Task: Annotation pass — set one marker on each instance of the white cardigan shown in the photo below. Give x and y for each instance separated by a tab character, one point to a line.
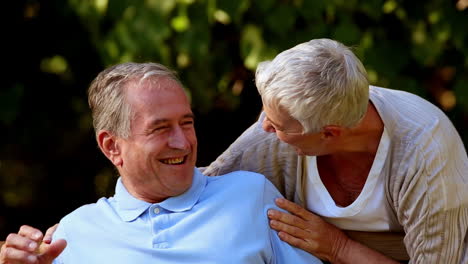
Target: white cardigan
426	183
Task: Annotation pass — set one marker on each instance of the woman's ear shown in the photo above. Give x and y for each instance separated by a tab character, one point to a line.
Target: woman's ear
331	132
109	145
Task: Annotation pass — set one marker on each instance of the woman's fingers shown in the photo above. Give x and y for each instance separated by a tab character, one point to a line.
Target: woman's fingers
290	229
305	230
294	209
287	218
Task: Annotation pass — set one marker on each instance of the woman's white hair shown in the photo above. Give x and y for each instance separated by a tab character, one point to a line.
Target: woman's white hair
319	83
106	94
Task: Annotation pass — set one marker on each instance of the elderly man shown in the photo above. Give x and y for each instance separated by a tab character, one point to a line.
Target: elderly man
361	157
164	210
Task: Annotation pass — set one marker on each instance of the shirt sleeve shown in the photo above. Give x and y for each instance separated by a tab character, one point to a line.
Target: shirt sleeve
282	251
60	234
432	199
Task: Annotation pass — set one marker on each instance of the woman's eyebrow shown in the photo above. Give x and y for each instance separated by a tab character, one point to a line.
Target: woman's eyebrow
276	125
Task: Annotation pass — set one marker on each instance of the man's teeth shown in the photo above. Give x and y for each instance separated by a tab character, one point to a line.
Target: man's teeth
173	161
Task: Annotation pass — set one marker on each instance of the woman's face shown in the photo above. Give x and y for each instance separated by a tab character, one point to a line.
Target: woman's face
290	131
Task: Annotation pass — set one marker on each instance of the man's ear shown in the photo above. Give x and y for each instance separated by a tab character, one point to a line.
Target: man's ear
331	132
109	145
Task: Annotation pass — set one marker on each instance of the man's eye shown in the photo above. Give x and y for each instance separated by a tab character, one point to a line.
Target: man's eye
188	123
159	129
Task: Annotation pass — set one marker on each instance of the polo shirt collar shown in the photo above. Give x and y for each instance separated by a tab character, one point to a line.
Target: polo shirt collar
188	199
129	207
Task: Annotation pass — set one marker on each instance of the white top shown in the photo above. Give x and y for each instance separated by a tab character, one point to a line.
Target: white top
368	212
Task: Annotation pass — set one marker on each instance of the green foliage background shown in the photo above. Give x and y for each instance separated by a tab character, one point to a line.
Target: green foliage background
49	163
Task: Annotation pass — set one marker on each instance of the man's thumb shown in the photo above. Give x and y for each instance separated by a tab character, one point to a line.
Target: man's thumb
53	250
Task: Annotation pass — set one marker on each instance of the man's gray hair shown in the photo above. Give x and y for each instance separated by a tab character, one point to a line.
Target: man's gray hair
319	83
106	94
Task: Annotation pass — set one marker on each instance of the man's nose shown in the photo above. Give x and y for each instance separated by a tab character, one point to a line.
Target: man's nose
266	125
178	139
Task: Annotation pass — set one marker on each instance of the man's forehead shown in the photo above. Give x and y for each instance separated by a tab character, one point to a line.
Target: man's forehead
157	120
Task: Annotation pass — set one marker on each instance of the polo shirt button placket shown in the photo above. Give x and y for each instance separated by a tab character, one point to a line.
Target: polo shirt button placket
155	211
158	240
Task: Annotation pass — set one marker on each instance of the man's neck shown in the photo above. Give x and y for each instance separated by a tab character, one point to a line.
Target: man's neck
148	195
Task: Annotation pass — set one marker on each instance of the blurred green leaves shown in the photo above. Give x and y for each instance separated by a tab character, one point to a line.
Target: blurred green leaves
392	37
10	103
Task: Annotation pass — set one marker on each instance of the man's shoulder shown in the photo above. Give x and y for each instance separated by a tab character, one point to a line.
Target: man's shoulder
104	206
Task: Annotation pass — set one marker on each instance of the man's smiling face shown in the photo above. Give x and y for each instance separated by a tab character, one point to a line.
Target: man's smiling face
158	159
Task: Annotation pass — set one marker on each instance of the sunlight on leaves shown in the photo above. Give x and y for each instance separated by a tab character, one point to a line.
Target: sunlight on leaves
222	17
366	41
187	2
251	45
235	9
434	17
56	65
373	76
165	6
180	23
419	33
125	57
111	48
129	13
443	35
101	5
389	6
401	13
183	60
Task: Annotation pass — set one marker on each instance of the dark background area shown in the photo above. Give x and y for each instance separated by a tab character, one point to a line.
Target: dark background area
49	161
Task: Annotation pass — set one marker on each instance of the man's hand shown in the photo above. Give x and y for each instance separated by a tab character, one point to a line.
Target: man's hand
49	233
307	231
26	247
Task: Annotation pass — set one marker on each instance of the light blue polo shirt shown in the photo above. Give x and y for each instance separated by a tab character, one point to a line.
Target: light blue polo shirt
218	220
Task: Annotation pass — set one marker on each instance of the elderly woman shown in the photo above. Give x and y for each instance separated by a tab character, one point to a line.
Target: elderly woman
360	157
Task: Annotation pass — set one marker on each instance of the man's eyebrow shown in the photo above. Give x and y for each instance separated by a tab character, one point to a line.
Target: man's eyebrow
159	121
191	115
